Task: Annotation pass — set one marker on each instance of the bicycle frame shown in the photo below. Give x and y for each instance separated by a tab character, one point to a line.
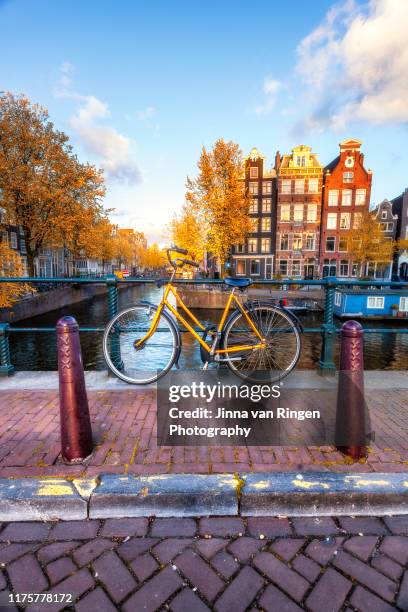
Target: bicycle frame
164	303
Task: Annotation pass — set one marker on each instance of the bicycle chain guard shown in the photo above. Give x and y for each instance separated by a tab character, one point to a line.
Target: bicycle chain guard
205	355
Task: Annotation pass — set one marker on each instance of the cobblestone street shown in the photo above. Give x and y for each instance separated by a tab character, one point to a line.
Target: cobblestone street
224	563
124	431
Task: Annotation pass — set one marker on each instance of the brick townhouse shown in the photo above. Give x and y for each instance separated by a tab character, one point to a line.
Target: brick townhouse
400	209
387	221
346	194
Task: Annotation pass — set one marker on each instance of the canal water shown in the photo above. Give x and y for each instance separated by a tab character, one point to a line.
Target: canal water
37	351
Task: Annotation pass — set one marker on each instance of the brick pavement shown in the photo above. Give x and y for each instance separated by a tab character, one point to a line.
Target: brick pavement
221	563
124	427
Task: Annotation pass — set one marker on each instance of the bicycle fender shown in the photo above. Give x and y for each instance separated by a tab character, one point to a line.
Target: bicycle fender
171	321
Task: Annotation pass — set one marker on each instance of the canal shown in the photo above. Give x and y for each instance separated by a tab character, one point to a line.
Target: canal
37	351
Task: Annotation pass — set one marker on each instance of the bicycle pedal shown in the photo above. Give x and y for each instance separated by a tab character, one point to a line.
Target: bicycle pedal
205	366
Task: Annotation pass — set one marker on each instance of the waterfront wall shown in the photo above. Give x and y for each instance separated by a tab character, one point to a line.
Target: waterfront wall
48	301
216	299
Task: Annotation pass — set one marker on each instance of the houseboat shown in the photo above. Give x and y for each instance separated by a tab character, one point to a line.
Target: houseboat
371	304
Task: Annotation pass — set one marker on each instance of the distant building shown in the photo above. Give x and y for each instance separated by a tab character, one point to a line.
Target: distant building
255	258
346	195
400	209
299	197
13	236
388	224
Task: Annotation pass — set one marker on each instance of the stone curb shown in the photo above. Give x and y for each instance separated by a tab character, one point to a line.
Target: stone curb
167	495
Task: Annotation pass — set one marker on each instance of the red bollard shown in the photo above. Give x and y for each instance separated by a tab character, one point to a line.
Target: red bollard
76	431
351	422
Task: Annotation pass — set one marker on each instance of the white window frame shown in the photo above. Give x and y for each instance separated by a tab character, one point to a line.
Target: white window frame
313	185
331	222
13	240
286	186
253	187
333	198
268	222
253	206
266	205
313	248
259	268
298	208
299	239
346	194
403	304
299	186
287	242
251	243
325	246
286	208
375	302
343	262
267	187
348	176
297	262
265	245
311	208
281	261
361	195
337	298
384	214
345	217
253	172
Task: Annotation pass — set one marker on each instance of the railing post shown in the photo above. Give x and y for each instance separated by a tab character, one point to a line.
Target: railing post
6	369
112	283
326	362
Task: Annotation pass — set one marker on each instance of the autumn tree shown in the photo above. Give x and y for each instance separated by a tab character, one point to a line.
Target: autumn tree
218	198
367	243
11	265
121	250
100	241
153	258
186	231
43	186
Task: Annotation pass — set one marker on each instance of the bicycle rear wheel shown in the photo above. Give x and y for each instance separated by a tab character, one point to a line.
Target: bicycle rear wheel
282	344
146	364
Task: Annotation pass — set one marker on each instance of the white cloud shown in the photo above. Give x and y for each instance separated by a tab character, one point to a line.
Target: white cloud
270	89
145	114
111	148
355	64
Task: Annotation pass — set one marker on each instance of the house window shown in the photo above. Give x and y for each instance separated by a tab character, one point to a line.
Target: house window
252	245
383	214
330	244
240	267
298	212
329	267
360	197
296	267
253	206
283	267
299	186
266	224
255	267
253	172
4	237
375	302
358	217
286	186
312	213
297	242
355	269
386	227
348	177
346	197
343	245
337	298
331	221
310	242
267	187
345	221
265	245
284	242
13	240
239	248
333	197
313	185
22	246
403	304
300	160
285	212
253	188
253	224
266	205
344	267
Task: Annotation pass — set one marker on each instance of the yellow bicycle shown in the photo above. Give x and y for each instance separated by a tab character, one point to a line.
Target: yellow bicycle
259	341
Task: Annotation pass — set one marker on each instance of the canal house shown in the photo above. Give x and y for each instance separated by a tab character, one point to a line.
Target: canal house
371	304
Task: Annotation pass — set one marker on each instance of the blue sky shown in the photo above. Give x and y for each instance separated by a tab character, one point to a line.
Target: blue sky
141	87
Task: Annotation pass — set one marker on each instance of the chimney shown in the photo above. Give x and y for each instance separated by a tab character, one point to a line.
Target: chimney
277	160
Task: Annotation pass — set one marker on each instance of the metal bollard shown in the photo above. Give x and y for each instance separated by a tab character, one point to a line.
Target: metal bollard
6	369
351	422
76	432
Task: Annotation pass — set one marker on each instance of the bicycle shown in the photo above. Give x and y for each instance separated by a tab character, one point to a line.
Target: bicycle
259	341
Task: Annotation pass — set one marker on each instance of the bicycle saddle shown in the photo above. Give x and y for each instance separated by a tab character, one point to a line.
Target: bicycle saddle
240	283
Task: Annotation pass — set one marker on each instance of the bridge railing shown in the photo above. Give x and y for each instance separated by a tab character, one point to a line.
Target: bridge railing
327	329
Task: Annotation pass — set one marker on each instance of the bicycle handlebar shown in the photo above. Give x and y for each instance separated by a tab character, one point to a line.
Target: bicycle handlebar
179	262
177	249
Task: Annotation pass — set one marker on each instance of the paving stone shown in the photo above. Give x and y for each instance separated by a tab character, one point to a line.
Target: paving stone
243	548
315	526
144	566
74	530
323	550
155	592
273	600
387	566
225	564
286	548
361	546
26	575
173	527
187	601
288	580
91	550
199	573
97	600
368	576
60	569
402	599
396	547
114	575
208	548
3	582
53	551
329	593
308	568
75	585
9	552
397	524
123	527
135	547
240	592
169	548
269	526
365	601
222	526
366	525
25	532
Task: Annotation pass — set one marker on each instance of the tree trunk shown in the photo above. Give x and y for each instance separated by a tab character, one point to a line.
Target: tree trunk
30	263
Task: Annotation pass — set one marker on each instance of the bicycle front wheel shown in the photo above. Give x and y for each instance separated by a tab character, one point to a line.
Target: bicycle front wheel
153	359
281	350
